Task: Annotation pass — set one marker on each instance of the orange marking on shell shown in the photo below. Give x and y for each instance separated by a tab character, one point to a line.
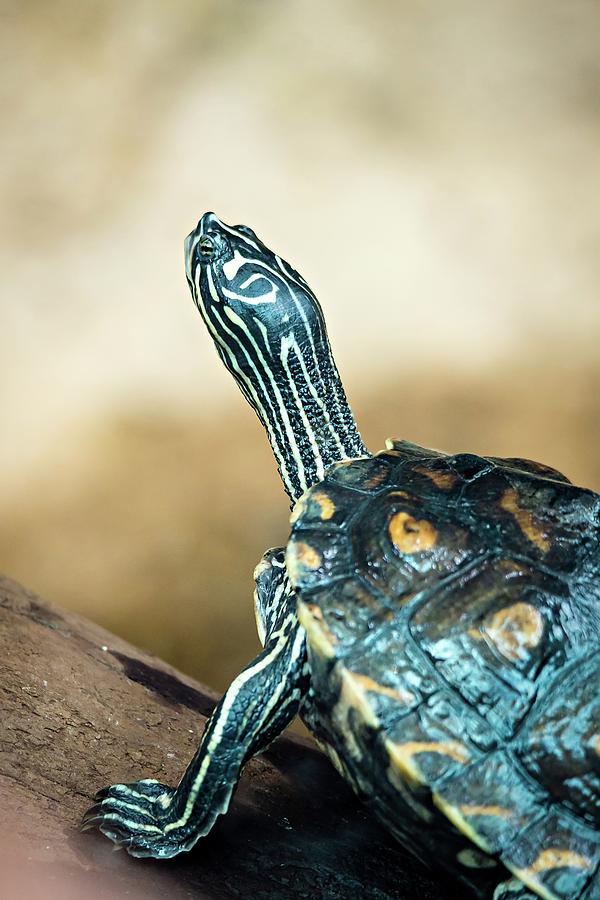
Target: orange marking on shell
596	743
410	535
531	527
369	684
315	611
404	494
454	749
317	614
307	556
514	631
376	479
511	567
445	481
402	756
325	503
474	809
554	858
298	510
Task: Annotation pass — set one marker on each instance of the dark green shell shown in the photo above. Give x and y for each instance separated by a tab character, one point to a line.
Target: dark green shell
452	607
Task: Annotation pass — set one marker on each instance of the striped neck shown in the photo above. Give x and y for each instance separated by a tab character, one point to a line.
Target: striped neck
303	407
269	331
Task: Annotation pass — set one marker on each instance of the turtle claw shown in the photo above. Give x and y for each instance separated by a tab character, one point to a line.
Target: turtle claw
134	817
91	814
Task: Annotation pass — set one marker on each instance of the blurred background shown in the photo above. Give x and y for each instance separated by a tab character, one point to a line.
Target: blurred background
433	171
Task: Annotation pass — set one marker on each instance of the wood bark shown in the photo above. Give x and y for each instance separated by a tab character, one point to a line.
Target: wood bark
82	709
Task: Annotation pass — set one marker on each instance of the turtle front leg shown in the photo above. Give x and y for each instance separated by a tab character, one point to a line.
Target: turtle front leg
151	819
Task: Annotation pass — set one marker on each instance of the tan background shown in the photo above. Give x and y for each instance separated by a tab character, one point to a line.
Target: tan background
432	169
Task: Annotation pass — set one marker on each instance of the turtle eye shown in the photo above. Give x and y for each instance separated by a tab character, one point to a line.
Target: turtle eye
206	248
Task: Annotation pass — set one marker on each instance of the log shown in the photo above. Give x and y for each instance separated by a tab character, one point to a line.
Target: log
82	709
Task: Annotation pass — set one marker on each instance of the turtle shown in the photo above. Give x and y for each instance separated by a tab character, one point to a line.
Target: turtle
434	619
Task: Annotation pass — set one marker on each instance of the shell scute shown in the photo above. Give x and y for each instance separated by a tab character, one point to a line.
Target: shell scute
442	477
426	749
351	611
328	506
560	743
388	658
546	520
556	855
313	559
368	475
530	466
490	801
391	694
401	545
487	641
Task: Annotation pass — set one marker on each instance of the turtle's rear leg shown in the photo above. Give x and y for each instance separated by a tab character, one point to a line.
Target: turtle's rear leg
151	819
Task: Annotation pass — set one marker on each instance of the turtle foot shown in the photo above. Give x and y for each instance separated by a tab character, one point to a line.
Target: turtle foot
139	818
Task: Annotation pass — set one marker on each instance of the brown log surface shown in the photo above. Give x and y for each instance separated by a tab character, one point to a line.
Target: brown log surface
81	709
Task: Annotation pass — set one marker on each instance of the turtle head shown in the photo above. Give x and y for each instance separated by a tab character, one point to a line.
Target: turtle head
251	300
269	331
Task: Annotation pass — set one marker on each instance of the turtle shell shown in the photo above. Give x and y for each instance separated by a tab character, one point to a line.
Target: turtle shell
452	609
